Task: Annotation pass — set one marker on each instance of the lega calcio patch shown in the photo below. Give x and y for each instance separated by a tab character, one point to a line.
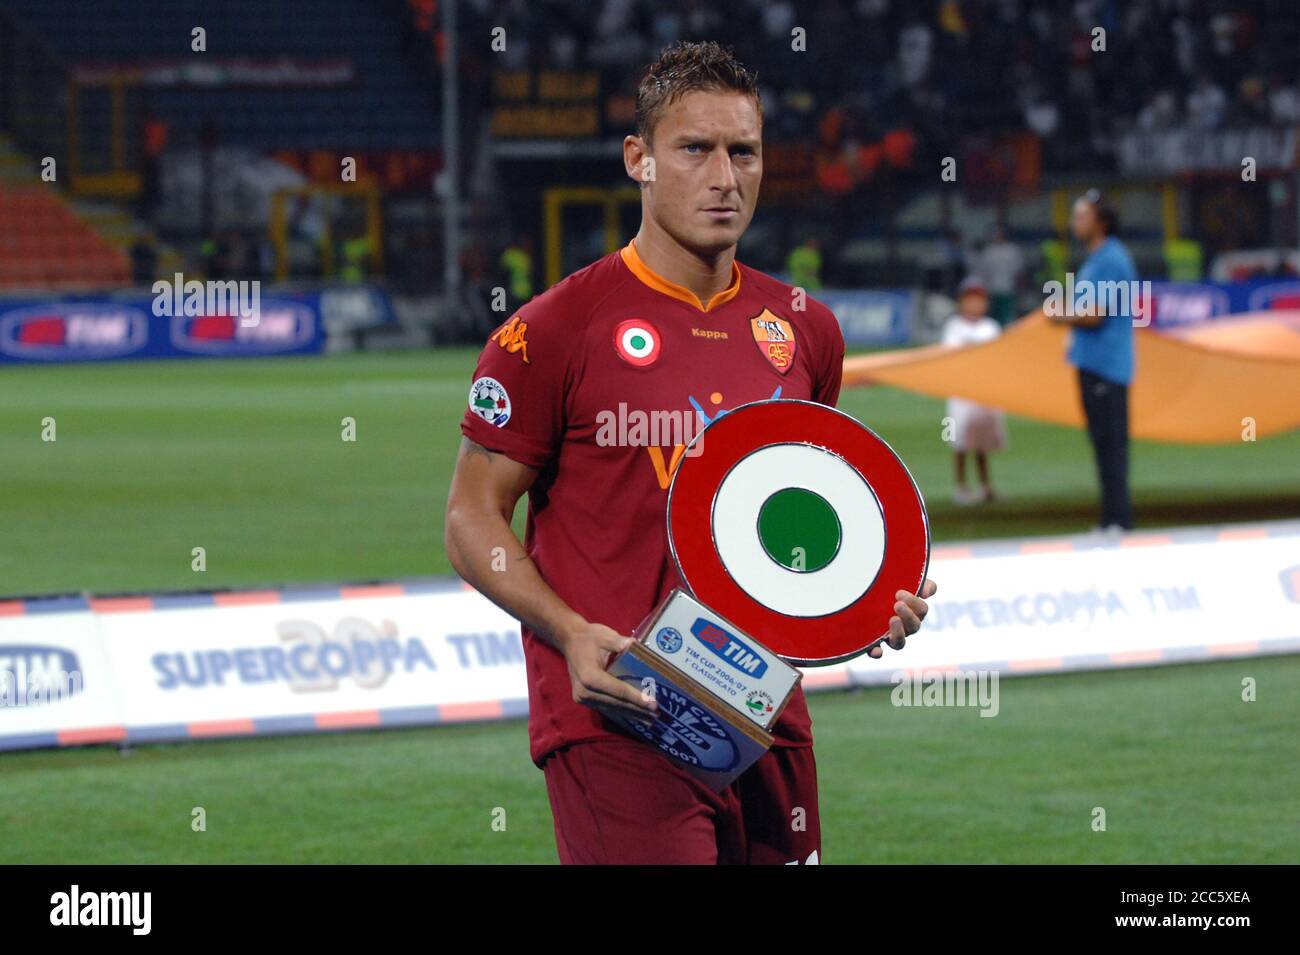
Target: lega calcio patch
488	399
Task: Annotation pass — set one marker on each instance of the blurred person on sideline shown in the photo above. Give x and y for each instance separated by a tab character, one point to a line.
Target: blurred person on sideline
976	429
804	264
1101	348
1001	265
517	265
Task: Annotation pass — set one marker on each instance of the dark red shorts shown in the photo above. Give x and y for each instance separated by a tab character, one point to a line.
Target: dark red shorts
620	802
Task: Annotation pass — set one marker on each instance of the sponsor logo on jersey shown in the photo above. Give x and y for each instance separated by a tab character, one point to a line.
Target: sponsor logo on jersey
775	339
637	342
512	337
729	647
488	399
708	333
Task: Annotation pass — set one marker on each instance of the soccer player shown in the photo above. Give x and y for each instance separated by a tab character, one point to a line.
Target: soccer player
669	324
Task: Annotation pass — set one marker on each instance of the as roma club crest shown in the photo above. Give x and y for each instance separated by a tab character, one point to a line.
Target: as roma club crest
775	339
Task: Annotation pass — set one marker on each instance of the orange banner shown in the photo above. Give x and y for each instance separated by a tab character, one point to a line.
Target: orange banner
1204	384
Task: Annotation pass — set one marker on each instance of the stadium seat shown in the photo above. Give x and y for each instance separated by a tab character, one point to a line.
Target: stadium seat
43	243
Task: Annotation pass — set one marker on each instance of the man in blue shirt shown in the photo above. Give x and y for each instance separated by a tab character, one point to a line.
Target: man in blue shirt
1107	293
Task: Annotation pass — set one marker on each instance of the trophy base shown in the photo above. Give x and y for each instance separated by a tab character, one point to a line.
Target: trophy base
718	690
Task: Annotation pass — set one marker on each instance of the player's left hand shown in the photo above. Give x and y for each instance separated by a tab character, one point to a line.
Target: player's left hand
911	610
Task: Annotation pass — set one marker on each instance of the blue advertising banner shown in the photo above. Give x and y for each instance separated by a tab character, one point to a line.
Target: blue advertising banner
143	326
1186	303
871	317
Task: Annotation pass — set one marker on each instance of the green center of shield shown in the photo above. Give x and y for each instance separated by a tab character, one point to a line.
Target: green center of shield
799	530
638	342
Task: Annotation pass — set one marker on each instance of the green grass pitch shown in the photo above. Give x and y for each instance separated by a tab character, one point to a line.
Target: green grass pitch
1185	771
245	459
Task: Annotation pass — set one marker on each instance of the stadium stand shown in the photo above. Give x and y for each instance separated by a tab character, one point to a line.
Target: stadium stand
43	242
385	102
852	152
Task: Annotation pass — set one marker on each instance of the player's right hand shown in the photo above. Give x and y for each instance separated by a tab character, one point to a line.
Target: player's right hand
588	649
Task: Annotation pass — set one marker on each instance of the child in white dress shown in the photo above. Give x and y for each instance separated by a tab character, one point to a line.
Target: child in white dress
975	428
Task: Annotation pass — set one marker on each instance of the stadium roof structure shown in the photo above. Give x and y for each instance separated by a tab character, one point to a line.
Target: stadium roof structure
1196	385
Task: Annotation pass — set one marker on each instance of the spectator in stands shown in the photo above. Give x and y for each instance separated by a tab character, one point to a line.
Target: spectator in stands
1002	267
1206	103
1159	113
306	233
1283	101
915	42
1041	115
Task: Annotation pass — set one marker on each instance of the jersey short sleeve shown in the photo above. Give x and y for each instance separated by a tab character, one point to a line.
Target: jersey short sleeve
518	396
826	388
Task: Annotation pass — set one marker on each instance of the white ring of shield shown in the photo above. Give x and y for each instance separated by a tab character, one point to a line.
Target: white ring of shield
818	593
645	333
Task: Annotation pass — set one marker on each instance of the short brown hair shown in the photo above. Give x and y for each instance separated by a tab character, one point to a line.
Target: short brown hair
685	67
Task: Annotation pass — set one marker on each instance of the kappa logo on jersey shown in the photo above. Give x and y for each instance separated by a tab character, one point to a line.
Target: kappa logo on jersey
637	342
510	336
775	339
488	400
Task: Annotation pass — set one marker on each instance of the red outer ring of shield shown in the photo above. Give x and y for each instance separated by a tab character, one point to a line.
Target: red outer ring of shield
806	641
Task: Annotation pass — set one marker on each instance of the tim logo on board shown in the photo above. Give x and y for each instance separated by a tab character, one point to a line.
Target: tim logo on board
1291	583
71	331
283	326
35	675
729	647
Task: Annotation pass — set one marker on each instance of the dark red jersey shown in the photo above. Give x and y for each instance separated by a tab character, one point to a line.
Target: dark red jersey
599	383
